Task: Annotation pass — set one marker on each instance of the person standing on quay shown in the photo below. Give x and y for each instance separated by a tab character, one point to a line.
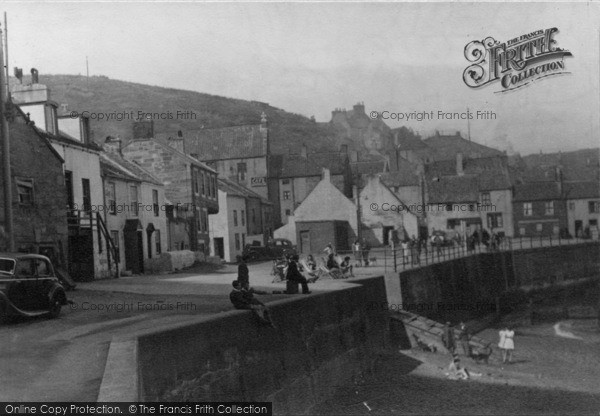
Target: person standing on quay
506	344
448	338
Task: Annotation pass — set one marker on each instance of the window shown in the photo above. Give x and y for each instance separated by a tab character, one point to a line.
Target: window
87	196
288	212
237	241
539	227
286	194
241	171
157	241
594	207
155	202
133	198
235	218
486	199
243	215
527	209
199	219
205	219
69	186
494	221
42	268
111	198
25	191
593	223
285	181
202	190
253	216
549	208
243	240
196	177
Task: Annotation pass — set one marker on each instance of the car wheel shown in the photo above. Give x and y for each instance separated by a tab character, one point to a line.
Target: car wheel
55	306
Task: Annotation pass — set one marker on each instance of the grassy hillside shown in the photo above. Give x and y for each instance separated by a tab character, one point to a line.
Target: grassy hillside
103	95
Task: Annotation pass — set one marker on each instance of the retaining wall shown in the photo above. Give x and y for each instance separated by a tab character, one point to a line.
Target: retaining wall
469	287
321	342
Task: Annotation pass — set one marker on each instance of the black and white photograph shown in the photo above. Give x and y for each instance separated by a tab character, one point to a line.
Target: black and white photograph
299	208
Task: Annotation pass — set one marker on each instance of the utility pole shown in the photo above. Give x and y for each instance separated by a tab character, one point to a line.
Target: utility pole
4	137
468	125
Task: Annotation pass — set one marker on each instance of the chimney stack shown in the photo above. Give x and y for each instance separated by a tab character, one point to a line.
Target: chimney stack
459	164
112	145
354	156
143	129
359	108
326	175
177	143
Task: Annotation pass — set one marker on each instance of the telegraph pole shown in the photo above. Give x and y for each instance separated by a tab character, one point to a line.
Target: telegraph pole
4	137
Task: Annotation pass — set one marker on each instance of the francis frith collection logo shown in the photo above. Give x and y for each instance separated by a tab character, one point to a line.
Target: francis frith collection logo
516	62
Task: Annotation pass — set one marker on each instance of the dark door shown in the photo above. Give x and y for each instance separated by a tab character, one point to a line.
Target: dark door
81	256
87	196
387	231
305	242
134	251
578	228
219	247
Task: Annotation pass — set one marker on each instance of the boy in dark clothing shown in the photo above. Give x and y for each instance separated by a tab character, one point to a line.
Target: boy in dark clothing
244	299
243	273
294	275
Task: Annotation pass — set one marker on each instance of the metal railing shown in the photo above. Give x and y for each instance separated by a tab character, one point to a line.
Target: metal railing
399	258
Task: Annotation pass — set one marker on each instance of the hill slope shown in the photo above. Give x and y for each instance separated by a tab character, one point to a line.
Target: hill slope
101	94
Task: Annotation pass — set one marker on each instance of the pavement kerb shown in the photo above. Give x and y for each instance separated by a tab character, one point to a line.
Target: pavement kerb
120	382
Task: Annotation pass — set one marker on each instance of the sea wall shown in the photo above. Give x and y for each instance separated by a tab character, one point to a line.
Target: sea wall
474	286
321	341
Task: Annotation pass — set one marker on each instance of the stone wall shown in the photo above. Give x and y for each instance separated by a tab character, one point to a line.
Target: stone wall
469	287
41	225
321	342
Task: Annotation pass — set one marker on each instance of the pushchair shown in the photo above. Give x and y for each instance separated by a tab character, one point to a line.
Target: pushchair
280	267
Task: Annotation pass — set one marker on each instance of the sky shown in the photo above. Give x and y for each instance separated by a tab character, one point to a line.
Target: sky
310	58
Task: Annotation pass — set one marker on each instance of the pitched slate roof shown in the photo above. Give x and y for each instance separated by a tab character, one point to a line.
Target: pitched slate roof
233	188
492	172
294	166
116	166
537	191
224	143
581	190
446	147
163	143
452	189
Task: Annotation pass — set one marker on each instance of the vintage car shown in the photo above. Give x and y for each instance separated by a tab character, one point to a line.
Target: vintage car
275	248
29	286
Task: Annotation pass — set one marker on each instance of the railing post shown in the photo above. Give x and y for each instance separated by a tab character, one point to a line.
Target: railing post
395	266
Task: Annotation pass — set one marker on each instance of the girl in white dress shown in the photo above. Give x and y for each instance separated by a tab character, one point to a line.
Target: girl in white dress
506	344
